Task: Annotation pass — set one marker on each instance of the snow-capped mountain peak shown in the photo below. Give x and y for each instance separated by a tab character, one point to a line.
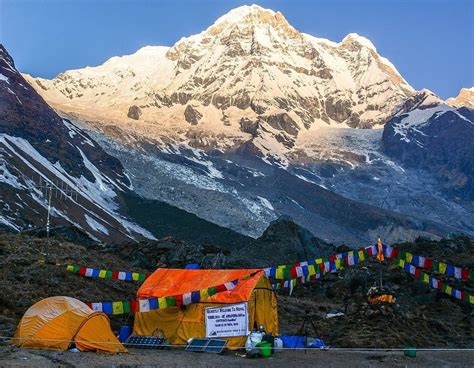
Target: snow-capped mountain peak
361	40
249	78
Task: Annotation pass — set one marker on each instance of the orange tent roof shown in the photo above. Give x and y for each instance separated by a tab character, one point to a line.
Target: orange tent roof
171	282
59	321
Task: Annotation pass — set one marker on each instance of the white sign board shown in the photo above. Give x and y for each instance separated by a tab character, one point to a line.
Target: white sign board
227	321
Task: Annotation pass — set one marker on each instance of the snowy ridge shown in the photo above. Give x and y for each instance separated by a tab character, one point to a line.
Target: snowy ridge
428	106
464	98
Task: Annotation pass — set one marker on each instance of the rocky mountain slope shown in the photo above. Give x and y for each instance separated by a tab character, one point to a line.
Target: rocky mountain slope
420	316
38	148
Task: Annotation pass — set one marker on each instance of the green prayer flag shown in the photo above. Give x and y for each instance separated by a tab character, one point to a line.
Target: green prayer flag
141	277
212	291
108	275
126	307
170	301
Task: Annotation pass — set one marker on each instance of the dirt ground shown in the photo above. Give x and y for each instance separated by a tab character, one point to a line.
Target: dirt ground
13	357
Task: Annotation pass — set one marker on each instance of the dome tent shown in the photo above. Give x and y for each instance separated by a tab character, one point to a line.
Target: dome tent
57	322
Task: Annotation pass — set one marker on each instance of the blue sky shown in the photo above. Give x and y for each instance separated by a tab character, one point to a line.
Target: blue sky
431	42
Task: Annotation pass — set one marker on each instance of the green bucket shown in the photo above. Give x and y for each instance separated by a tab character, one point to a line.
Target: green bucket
265	349
410	352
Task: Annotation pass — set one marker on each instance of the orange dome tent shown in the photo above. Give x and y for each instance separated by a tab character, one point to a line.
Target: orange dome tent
57	322
253	297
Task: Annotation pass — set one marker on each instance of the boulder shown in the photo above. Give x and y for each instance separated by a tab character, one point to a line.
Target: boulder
192	115
134	112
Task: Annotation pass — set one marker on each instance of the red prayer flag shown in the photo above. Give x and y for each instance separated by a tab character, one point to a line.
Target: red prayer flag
221	288
134	307
115	275
428	263
82	271
417	273
465	274
179	300
395	252
293	273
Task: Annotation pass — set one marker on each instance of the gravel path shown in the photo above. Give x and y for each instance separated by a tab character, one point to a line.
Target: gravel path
13	357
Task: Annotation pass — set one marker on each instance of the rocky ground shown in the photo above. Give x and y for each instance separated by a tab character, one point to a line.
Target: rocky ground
13	357
33	268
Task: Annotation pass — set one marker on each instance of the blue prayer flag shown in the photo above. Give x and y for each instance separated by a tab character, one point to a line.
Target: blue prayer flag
107	308
195	296
153	303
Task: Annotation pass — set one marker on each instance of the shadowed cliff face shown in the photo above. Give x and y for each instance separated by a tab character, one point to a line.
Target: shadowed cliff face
431	136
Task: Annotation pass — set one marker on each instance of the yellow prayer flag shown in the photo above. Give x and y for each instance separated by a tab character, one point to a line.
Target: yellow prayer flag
337	262
311	270
279	273
448	290
426	278
442	267
70	268
319	261
102	273
135	276
361	256
471	298
409	257
162	303
117	308
204	294
401	263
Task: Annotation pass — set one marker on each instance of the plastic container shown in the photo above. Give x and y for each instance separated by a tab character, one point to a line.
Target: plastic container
265	349
293	342
124	333
253	339
410	352
278	345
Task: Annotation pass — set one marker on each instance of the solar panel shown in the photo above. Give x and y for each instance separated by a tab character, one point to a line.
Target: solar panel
215	346
145	342
197	344
207	345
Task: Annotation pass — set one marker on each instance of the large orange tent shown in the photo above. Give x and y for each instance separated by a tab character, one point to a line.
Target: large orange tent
253	295
60	321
